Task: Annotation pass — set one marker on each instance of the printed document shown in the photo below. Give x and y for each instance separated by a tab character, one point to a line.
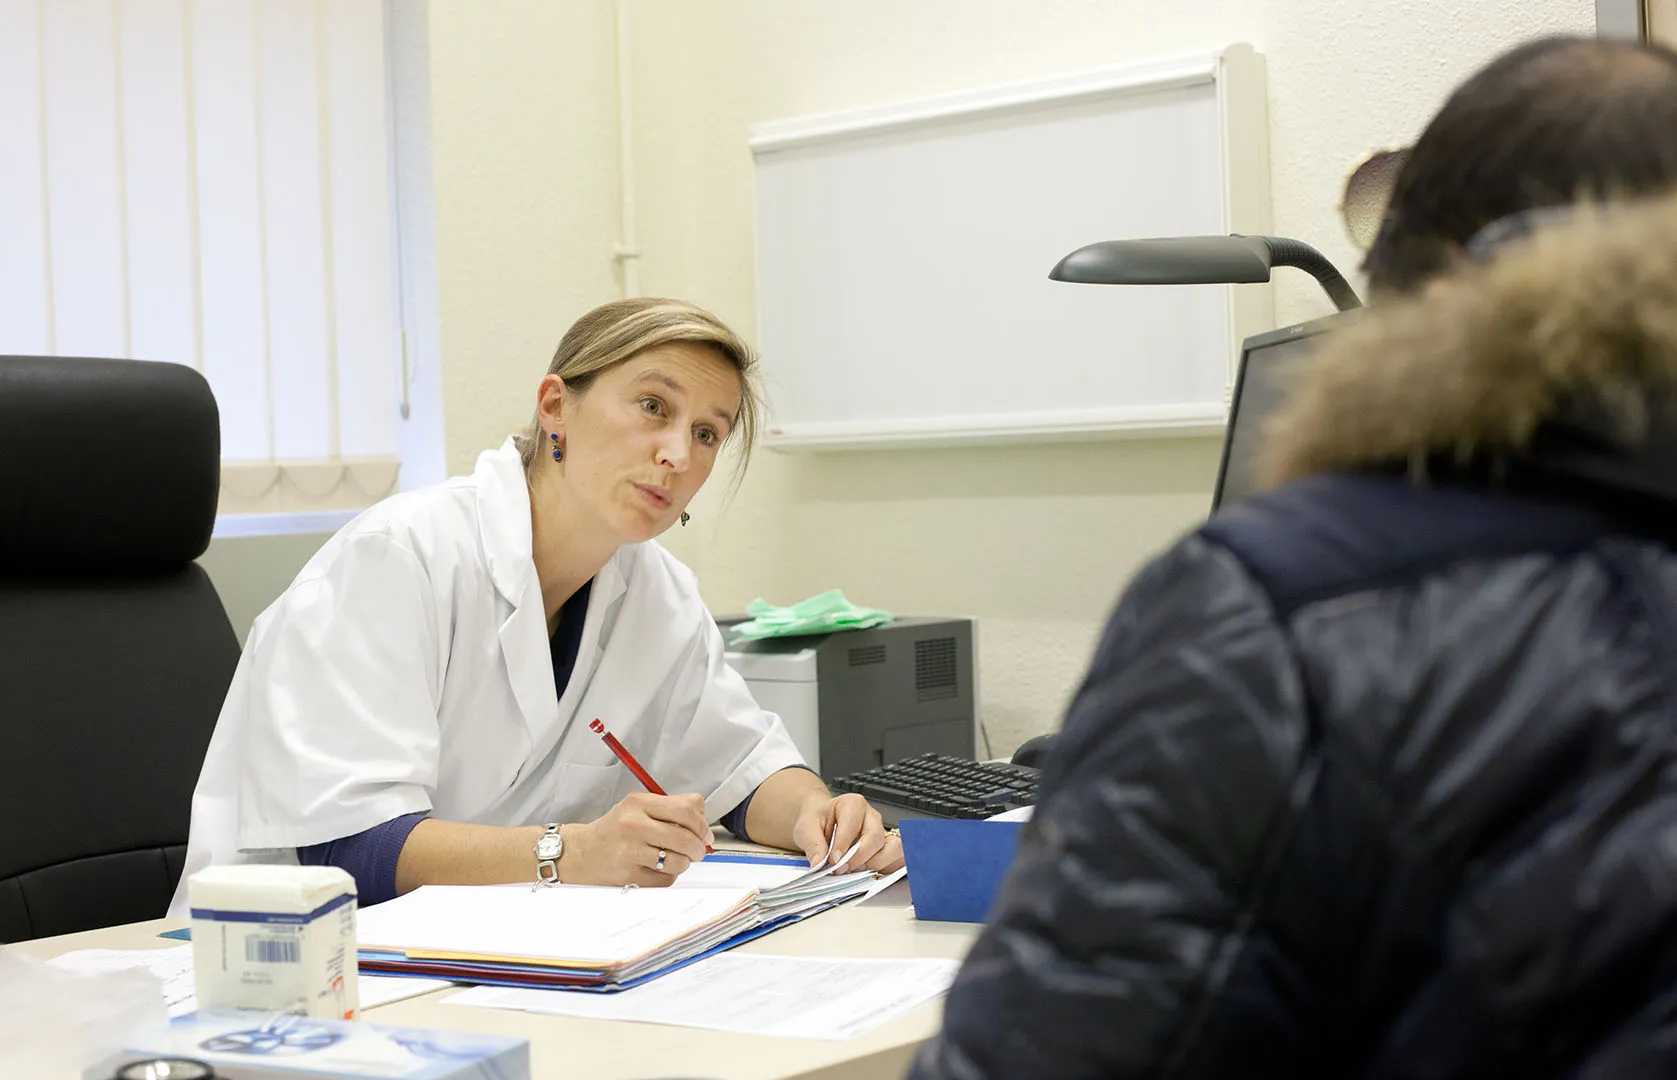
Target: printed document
789	996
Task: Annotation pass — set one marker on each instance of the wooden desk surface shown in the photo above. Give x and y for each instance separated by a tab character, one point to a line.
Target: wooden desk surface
605	1049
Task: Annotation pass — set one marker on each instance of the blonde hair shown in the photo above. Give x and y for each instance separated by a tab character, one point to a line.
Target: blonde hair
615	332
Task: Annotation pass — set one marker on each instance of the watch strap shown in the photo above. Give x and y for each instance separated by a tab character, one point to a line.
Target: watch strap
547	869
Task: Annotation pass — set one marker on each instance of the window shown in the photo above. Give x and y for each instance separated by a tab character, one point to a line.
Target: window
208	182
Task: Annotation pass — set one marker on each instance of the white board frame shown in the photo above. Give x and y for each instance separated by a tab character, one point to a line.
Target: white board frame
1238	74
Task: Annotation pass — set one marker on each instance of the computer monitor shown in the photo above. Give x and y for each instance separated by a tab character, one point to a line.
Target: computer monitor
1267	364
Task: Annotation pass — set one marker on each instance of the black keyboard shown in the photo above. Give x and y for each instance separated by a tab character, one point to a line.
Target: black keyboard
935	786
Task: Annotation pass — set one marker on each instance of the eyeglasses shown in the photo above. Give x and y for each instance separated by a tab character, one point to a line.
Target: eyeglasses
1367	191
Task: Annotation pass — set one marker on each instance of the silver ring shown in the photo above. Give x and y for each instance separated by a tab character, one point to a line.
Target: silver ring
661	857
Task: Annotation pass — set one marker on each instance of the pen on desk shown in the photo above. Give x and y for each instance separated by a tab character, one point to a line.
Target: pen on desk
633	766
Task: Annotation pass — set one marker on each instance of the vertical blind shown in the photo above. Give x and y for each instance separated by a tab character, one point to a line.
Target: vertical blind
208	182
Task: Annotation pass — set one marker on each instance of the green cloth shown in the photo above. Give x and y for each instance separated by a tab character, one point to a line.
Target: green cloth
821	614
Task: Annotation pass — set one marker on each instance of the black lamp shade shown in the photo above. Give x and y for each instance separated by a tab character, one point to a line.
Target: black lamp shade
1187	260
1200	260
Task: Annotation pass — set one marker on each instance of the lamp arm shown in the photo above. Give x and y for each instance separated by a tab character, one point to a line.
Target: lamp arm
1296	253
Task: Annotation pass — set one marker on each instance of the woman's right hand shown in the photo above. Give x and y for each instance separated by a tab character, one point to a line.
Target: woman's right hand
621	848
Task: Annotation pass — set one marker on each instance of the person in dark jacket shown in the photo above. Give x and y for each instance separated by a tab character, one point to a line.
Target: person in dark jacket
1300	818
1375	774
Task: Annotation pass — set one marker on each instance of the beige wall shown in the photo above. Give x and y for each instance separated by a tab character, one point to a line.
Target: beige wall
1034	541
250	572
524	138
1661	16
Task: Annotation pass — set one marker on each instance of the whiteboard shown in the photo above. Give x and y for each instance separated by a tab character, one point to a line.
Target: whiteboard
903	256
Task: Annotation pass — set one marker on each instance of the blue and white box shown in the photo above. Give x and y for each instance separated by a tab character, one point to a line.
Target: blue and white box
275	938
283	1046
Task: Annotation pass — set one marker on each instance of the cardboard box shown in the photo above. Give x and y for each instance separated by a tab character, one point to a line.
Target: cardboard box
275	938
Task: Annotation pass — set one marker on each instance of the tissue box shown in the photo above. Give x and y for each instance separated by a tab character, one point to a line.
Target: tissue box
955	868
275	938
281	1046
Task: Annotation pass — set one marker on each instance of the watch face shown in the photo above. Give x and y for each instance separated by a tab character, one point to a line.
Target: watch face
548	846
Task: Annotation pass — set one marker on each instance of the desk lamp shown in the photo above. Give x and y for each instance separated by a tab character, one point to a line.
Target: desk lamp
1200	260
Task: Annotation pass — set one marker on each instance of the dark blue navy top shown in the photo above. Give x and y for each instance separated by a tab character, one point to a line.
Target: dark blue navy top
370	856
567	639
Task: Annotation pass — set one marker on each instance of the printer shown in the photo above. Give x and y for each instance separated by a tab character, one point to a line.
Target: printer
859	698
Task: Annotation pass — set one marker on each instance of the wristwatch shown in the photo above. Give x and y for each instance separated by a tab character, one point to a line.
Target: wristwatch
549	847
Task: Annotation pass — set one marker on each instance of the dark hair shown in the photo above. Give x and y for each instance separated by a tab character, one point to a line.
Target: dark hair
1549	123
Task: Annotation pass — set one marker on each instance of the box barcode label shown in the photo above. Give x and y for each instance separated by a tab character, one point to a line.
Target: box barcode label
261	950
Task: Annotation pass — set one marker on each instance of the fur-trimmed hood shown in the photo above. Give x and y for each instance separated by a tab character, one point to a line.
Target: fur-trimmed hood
1577	329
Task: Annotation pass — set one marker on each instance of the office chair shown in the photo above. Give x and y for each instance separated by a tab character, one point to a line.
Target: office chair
115	652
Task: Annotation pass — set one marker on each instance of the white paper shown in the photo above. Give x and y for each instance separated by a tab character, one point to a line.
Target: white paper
780	888
789	996
802	904
173	967
55	1022
885	882
833	864
586	926
383	989
1018	813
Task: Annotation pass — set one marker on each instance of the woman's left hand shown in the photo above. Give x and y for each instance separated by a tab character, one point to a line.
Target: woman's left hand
826	827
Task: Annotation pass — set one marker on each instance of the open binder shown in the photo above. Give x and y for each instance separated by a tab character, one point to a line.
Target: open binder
593	937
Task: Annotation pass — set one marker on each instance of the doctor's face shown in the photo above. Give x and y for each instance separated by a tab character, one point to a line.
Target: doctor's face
643	438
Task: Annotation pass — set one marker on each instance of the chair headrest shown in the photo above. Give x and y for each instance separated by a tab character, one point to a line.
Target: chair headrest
106	466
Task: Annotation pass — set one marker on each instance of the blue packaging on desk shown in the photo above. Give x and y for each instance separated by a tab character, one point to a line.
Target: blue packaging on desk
956	867
282	1046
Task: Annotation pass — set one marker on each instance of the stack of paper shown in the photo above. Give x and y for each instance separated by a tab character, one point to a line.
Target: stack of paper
786	887
568	935
593	938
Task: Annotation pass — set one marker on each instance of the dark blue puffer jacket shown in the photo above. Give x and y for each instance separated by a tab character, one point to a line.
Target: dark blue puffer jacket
1373	777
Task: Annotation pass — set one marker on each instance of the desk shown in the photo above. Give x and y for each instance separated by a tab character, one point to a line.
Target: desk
563	1046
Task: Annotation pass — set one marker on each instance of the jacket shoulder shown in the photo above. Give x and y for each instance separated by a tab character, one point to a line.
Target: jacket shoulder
1337	533
431	525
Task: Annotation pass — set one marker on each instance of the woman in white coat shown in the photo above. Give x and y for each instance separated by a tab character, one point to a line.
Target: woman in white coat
415	707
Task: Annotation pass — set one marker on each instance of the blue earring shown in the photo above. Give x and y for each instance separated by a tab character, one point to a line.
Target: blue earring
558	454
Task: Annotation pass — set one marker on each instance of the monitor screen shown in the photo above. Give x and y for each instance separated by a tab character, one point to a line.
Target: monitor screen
1267	366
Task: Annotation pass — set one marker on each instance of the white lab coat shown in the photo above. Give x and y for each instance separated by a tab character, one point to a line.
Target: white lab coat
408	669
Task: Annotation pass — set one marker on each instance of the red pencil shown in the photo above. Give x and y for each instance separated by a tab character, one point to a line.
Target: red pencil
634	766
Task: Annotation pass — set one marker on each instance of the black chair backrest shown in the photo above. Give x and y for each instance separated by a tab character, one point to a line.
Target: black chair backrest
115	652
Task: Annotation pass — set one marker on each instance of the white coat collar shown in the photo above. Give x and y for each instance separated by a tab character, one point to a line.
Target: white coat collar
503	497
504	530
